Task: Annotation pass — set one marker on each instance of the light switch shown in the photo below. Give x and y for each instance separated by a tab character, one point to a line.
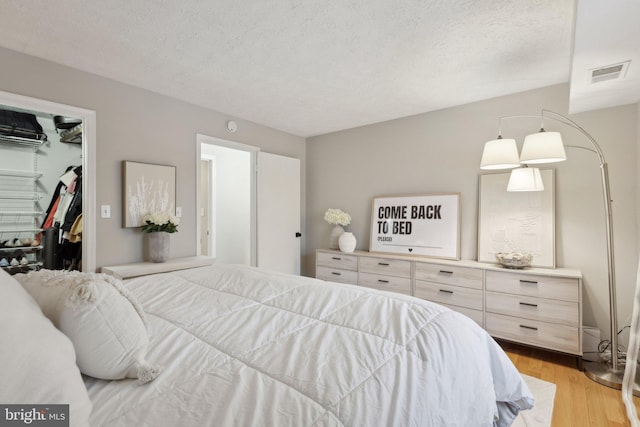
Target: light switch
178	211
105	211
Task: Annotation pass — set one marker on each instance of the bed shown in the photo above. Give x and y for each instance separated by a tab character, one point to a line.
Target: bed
239	346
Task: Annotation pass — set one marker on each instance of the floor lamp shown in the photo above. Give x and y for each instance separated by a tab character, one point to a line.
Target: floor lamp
547	147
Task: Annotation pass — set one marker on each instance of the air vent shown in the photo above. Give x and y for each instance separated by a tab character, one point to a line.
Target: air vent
609	72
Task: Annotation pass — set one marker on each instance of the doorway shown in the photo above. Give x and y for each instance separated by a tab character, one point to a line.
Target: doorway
87	140
226	203
248	206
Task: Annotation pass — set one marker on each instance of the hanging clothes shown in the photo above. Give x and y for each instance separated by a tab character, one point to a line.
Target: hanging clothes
62	213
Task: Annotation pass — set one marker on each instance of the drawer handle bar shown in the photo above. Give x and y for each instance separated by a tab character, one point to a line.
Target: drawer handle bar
383	281
337	258
446	272
335	273
529	282
529	327
446	291
528	304
383	263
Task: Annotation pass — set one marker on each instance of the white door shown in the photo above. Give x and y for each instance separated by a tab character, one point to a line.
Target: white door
279	213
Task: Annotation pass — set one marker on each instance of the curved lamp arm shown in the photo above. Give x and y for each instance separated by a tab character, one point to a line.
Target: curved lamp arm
547	114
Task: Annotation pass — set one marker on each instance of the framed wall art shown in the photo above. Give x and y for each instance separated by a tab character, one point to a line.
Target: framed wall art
426	224
146	188
516	221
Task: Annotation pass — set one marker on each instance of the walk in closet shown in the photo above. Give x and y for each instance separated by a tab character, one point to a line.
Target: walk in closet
40	191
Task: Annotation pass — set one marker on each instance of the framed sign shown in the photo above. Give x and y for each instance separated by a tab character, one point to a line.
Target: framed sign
427	225
522	221
147	188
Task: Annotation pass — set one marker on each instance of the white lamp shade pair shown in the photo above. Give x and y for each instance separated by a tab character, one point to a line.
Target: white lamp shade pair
541	147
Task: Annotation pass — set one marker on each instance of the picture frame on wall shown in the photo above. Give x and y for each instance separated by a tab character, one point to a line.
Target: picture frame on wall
423	224
522	221
146	188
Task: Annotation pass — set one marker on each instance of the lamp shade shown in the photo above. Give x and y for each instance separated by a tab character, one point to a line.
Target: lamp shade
542	147
500	154
525	179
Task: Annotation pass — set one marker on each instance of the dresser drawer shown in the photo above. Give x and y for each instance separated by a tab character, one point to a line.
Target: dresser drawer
562	288
385	266
337	260
541	334
337	275
448	294
385	283
475	315
545	310
452	275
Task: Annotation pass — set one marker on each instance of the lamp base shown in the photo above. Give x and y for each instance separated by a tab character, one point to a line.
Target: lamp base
603	373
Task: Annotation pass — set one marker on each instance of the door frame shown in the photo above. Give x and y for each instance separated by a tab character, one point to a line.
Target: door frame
89	243
253	152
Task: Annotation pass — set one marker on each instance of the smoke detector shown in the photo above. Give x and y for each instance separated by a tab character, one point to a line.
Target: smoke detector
609	72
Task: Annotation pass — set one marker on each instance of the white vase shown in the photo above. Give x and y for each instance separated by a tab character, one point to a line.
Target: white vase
347	242
159	246
336	232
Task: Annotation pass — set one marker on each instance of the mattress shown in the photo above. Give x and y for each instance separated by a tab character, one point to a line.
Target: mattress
244	347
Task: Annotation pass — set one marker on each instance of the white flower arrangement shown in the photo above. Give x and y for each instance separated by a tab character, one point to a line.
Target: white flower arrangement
337	217
160	221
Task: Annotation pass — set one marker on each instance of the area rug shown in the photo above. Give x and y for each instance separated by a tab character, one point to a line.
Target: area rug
540	416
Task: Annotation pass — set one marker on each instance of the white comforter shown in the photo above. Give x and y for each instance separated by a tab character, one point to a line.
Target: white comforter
243	347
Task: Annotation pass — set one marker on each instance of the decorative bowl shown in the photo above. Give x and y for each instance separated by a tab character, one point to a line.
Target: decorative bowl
514	259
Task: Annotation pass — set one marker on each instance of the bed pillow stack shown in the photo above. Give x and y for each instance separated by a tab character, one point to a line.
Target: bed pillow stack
37	362
106	325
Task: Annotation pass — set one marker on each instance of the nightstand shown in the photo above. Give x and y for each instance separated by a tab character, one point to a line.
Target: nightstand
127	271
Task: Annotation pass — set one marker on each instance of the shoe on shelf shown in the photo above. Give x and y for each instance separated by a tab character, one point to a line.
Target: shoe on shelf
24	261
14	262
4	262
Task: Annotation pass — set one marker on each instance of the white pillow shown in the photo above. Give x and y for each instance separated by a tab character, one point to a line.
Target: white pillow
106	325
37	362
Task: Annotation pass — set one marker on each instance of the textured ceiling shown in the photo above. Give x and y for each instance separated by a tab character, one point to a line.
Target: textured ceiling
305	67
606	33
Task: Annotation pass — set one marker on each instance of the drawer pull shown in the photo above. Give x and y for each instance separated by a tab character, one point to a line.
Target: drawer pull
383	281
446	272
446	291
335	273
529	327
528	282
528	304
383	264
337	258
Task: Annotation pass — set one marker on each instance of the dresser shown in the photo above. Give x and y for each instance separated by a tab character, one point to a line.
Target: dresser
534	306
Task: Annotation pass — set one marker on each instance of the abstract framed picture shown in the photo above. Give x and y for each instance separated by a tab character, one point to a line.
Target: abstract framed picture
424	224
146	188
522	221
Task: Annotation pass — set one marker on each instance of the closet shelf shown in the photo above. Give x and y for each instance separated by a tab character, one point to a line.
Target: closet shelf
23	268
20	174
73	135
20	195
20	230
20	213
25	142
23	249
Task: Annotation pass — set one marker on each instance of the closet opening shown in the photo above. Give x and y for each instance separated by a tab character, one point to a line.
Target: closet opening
47	186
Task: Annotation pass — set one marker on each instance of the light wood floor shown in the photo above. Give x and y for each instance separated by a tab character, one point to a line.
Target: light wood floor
579	402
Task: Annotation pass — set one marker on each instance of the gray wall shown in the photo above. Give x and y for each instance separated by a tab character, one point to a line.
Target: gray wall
440	152
138	125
